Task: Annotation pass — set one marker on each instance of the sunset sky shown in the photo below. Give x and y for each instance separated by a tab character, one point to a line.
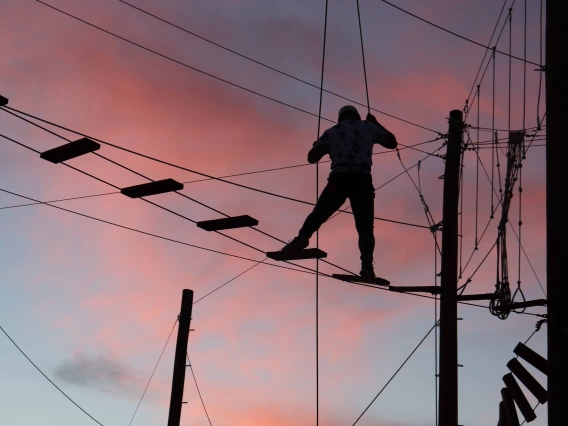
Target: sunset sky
93	304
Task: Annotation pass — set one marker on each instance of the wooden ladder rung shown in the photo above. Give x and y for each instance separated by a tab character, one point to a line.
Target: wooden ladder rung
152	188
227	223
416	289
310	253
359	279
70	150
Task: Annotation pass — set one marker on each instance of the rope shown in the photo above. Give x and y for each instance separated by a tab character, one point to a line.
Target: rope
175	165
197	387
455	34
270	67
317	199
363	55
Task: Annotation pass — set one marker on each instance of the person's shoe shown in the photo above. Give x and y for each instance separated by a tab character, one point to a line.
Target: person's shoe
298	243
367	272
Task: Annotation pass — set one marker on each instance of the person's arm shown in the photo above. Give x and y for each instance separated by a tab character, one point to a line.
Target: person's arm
319	149
388	140
316	154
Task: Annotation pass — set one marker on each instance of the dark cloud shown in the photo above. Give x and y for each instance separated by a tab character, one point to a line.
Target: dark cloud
101	372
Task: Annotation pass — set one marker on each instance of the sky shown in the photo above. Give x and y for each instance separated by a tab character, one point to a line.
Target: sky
92	304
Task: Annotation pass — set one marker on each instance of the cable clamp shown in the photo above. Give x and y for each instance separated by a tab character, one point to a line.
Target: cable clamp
436	227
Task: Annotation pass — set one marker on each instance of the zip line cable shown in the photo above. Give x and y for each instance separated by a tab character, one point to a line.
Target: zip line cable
317	199
197	387
10	111
189	66
270	67
455	34
153	371
396	372
48	379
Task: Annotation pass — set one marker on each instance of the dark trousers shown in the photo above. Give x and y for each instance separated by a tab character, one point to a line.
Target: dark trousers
358	187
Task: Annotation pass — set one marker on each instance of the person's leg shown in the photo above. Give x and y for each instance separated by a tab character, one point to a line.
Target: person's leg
362	196
330	200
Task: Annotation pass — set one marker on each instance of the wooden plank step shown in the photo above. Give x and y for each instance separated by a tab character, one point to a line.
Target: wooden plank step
152	188
528	380
3	101
359	279
530	356
519	397
310	253
416	289
485	296
70	150
521	305
228	223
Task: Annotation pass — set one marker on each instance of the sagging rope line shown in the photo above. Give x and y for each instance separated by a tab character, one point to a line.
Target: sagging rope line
197	69
168	163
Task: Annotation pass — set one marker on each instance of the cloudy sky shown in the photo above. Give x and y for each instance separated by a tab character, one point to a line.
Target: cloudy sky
93	304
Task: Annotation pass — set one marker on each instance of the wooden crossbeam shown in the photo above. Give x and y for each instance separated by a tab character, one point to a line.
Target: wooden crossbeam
416	289
485	296
310	253
152	188
521	305
528	380
70	150
228	223
530	356
359	279
519	397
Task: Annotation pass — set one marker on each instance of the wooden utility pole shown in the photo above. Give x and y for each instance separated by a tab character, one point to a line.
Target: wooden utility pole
556	220
448	405
178	379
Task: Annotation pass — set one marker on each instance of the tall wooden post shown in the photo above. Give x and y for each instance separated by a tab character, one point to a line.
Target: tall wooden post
556	220
178	379
448	404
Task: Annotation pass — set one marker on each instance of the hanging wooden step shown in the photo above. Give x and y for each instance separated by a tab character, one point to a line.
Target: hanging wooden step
532	358
228	223
519	397
3	101
152	188
485	296
528	380
416	289
358	279
70	150
310	253
510	410
521	305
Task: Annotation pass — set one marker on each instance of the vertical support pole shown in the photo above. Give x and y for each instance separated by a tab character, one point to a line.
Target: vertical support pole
178	379
448	407
556	222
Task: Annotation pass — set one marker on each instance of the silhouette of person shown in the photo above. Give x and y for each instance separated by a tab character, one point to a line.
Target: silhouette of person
350	145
